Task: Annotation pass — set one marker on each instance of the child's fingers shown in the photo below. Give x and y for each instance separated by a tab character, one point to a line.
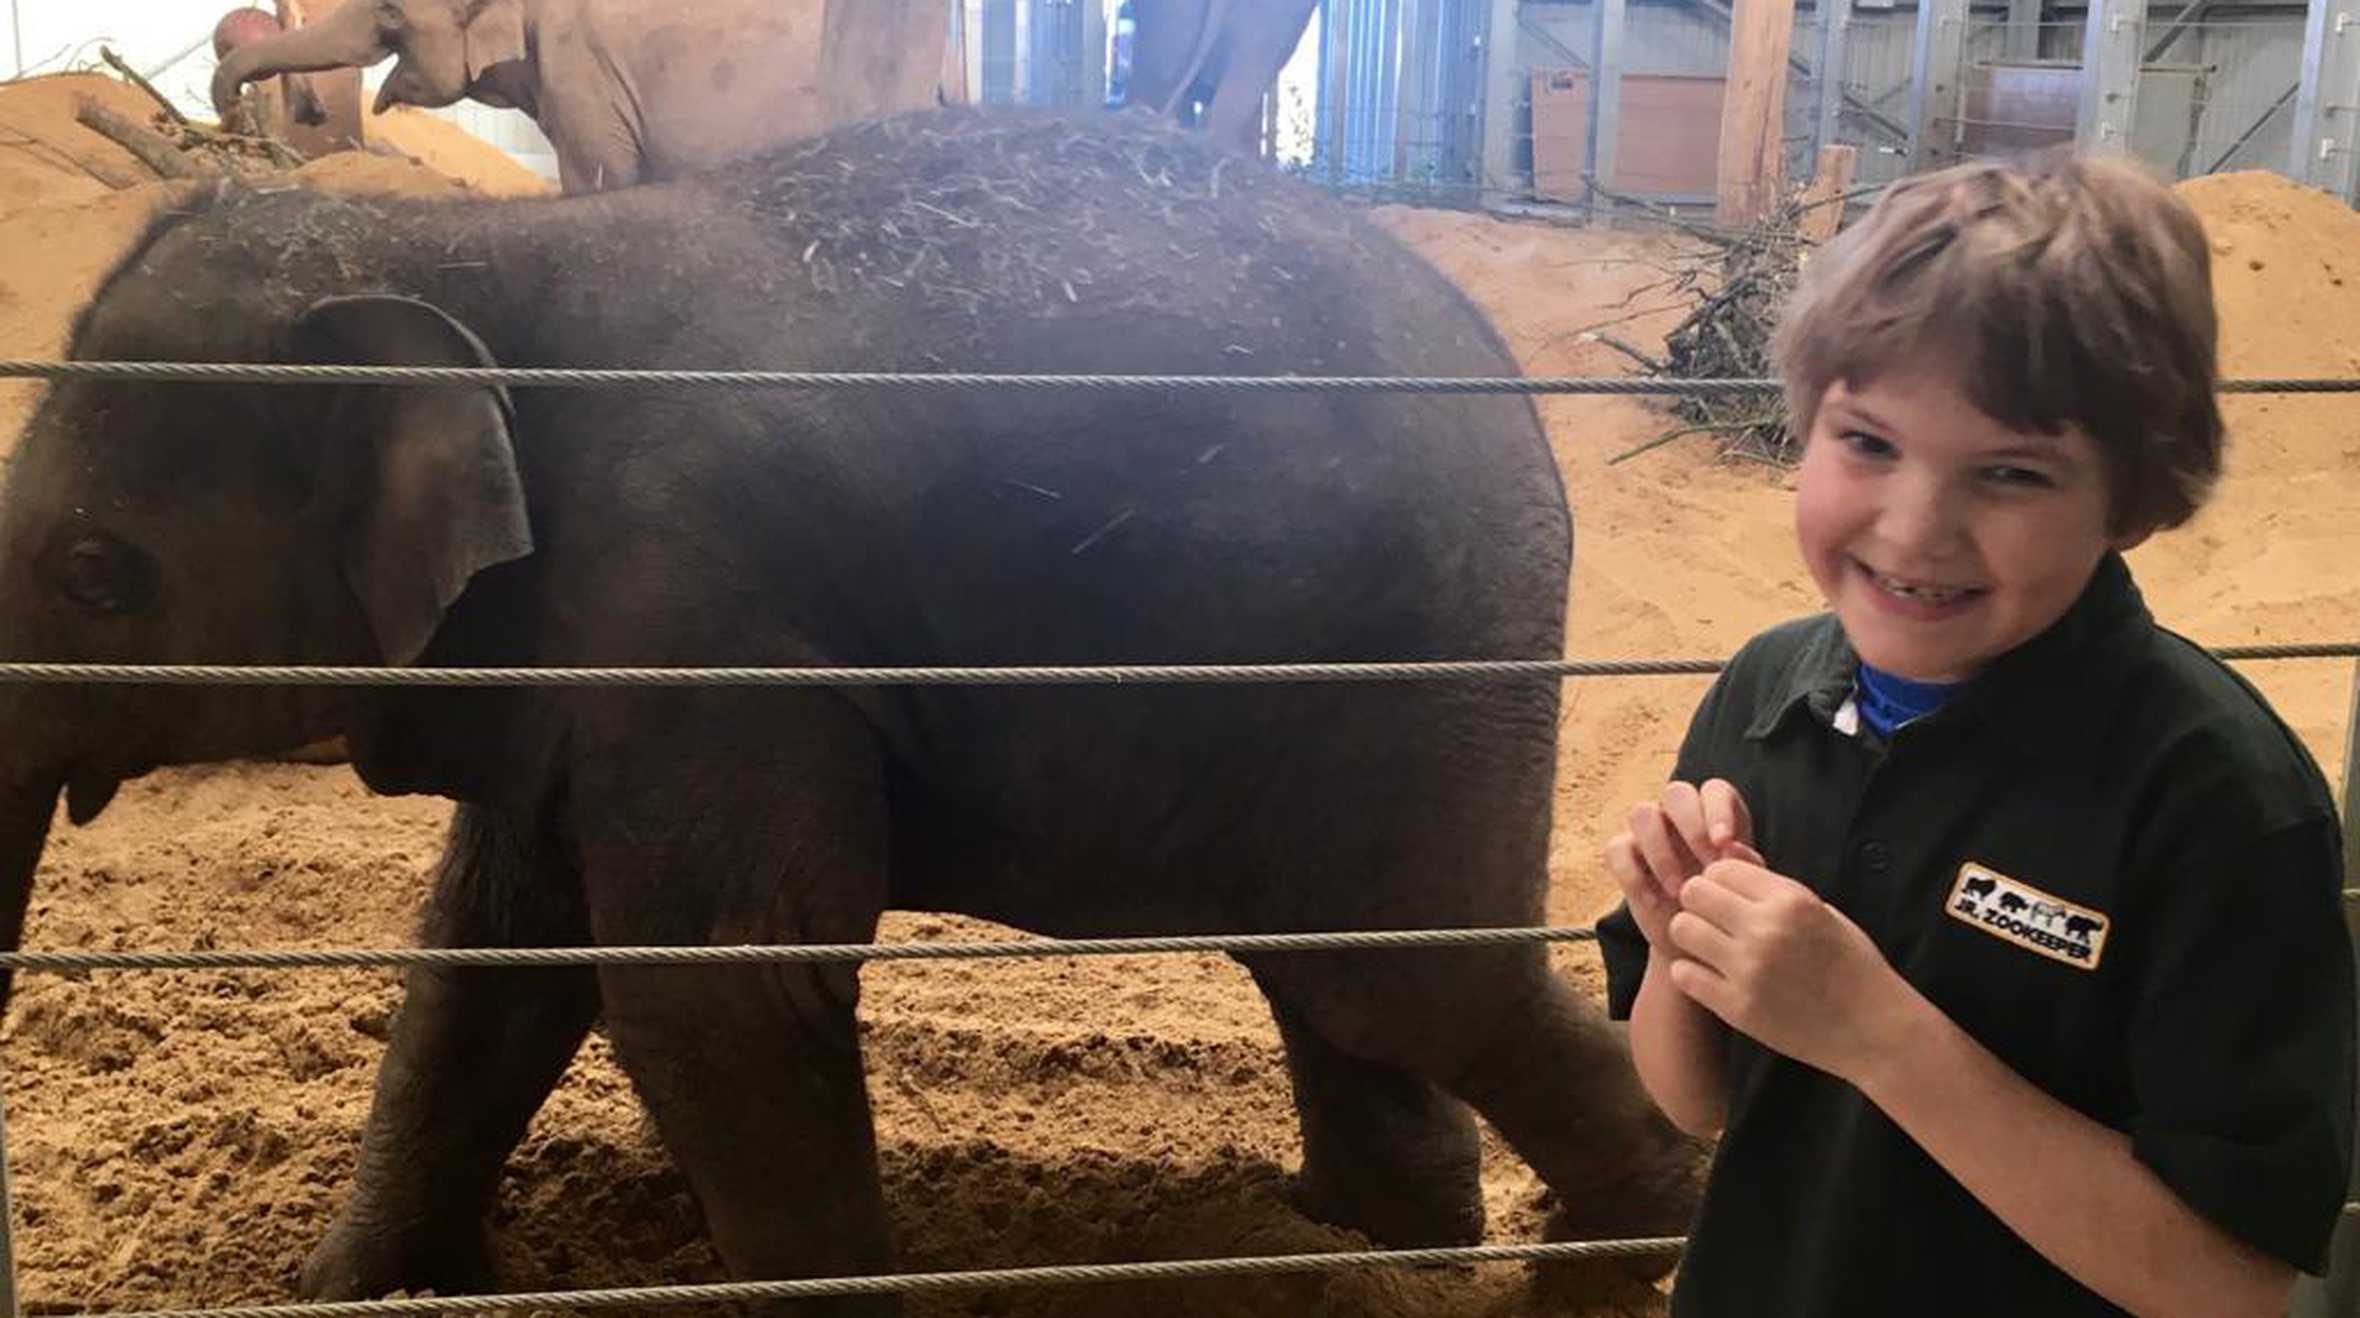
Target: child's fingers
1727	820
1660	848
1629	869
1622	861
1699	938
1683	805
1743	852
1650	906
1727	907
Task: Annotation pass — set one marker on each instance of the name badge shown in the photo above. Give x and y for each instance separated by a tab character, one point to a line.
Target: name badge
2016	912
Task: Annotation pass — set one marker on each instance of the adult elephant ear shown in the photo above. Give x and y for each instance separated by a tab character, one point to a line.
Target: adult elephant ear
420	483
495	35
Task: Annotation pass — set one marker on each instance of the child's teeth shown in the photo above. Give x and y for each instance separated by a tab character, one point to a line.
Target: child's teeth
1918	592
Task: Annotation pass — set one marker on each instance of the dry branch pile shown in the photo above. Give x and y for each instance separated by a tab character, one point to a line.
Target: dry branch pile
174	146
1738	281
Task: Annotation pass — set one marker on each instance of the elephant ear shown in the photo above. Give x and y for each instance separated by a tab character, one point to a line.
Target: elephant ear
495	34
422	483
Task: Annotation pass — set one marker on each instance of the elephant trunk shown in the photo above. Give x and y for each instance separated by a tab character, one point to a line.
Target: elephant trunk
24	826
346	39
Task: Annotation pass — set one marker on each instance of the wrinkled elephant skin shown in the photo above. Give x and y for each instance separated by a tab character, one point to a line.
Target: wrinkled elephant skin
459	525
628	91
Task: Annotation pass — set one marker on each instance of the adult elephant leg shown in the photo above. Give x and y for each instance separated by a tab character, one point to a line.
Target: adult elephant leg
774	834
1385	1151
473	1054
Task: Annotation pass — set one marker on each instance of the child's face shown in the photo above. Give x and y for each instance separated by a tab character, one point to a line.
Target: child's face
1941	538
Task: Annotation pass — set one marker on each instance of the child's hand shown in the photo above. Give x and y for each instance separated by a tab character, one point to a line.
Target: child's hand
1767	956
1670	841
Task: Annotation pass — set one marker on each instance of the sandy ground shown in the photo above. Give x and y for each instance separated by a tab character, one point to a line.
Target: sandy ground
180	1139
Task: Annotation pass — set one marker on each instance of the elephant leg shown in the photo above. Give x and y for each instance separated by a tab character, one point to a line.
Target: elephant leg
473	1054
763	1109
1261	40
753	1073
1385	1151
1543	1065
1555	1077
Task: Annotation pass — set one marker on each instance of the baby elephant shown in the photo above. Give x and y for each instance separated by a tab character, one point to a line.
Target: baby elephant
456	524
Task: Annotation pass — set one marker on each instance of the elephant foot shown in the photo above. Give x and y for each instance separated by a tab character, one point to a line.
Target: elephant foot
1660	1201
1394	1214
357	1263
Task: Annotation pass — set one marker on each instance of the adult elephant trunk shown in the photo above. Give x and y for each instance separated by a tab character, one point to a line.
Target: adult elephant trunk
349	38
24	825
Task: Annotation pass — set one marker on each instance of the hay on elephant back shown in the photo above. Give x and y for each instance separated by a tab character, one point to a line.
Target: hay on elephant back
1738	281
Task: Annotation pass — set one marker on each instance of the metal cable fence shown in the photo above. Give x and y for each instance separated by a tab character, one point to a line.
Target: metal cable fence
920	1283
1253	943
620	377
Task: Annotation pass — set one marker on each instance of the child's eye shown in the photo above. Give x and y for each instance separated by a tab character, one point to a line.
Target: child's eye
1864	444
2030	477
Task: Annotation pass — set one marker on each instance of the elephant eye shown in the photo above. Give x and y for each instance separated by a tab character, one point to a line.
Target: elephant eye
105	575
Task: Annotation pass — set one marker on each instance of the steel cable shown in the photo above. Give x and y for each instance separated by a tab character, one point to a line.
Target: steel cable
939	675
917	1282
633	378
801	953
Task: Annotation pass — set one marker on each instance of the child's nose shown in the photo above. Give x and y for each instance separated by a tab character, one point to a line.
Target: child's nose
1922	516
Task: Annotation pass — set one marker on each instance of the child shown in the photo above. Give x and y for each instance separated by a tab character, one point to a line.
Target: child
1993	928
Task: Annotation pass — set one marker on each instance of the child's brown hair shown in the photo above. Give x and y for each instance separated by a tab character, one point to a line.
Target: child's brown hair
2071	290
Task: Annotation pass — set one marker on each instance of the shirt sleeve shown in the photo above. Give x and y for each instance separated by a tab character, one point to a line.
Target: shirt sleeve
2241	1048
1620	944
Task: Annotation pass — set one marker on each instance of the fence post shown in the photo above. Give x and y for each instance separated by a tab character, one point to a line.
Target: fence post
1835	24
1500	73
2338	1296
1933	81
2324	110
1607	21
2110	75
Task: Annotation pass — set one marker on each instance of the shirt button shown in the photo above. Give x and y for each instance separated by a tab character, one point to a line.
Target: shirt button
1875	857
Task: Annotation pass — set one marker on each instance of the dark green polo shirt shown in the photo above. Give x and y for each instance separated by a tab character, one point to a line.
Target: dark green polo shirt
2106	859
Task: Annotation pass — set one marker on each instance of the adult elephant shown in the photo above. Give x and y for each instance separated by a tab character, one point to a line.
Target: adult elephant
625	90
1211	61
451	524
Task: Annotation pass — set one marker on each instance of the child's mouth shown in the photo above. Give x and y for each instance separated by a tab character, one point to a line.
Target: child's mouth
1919	597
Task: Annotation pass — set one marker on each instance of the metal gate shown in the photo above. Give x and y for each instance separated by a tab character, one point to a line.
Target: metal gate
1401	95
1038	52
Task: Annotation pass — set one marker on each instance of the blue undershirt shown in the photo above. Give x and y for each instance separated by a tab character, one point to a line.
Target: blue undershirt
1887	702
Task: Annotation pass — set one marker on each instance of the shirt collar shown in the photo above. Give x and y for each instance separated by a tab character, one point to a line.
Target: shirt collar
2025	693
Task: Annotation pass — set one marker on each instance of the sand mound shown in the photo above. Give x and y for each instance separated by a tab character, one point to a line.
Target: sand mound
2286	274
2272	557
48	157
452	151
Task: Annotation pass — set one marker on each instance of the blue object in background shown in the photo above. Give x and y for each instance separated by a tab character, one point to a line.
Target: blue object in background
1118	72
